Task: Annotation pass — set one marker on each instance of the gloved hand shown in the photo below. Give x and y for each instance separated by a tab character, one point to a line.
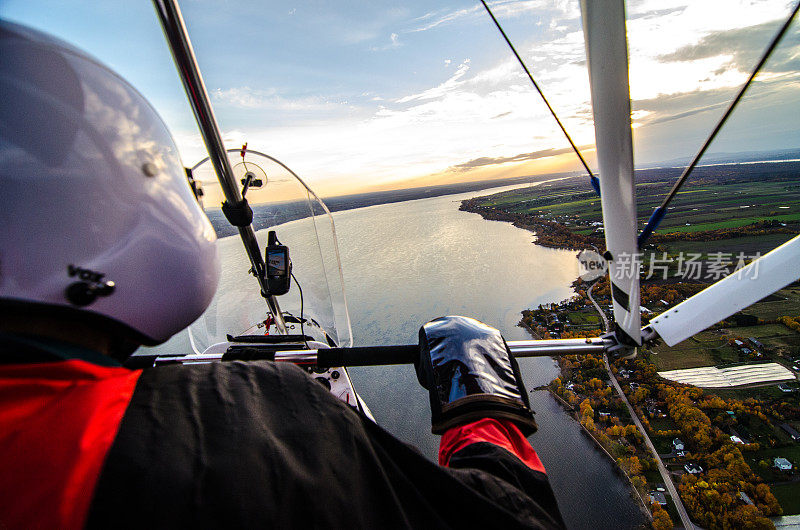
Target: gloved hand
470	374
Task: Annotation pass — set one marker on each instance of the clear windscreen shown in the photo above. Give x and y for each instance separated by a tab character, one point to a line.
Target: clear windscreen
301	221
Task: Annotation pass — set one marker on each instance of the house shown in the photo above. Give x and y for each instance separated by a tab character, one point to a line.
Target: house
677	444
656	497
644	310
788	429
745	498
782	464
783	387
738	343
755	343
747	351
634	386
737	440
693	469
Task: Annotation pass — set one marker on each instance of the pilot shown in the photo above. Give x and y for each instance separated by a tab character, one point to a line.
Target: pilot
104	248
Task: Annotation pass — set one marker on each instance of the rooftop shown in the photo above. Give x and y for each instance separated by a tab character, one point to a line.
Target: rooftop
782	463
657	497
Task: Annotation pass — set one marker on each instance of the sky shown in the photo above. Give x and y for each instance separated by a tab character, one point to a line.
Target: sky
369	95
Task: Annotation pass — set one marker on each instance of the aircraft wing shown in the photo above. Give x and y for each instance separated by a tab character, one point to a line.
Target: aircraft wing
748	285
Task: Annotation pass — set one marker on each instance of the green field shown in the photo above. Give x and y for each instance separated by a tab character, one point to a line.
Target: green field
582	318
708	348
770	474
788	496
731	223
734	198
748	244
766	393
784	302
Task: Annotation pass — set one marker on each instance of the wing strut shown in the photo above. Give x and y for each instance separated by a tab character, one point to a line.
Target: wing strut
607	53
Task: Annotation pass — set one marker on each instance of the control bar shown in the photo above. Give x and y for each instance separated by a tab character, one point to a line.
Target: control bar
368	355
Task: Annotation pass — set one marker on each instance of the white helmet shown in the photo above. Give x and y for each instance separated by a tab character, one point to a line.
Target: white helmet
96	213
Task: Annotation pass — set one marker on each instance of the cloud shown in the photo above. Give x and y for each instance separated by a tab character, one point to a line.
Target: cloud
745	47
443	19
667	108
394	42
250	98
685	67
687	113
500	8
522	157
438	91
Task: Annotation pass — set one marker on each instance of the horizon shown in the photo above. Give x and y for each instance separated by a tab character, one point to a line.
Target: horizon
713	159
366	98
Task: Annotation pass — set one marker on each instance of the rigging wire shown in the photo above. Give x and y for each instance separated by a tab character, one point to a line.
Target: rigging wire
302	329
595	181
660	212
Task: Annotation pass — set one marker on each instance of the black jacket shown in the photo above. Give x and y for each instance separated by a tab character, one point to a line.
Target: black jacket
259	444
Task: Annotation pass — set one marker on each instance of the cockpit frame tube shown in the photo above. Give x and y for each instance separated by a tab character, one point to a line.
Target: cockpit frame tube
382	355
169	15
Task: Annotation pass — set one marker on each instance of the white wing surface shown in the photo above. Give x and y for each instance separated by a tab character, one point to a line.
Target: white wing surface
607	53
733	293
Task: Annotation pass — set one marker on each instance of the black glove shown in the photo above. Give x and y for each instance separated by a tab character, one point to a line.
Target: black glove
470	374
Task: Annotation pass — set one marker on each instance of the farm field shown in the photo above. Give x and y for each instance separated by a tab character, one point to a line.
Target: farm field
715	198
704	349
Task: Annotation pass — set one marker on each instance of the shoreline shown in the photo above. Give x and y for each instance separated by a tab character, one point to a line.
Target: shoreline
570	411
549	234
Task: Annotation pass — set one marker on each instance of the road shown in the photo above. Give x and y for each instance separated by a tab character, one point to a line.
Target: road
599	309
682	513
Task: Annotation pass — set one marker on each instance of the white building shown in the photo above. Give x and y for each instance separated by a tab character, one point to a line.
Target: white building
693	469
782	464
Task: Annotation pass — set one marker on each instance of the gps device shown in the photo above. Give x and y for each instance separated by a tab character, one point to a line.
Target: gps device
279	266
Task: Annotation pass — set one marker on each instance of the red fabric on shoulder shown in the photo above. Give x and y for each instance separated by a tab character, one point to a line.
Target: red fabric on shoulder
57	423
502	433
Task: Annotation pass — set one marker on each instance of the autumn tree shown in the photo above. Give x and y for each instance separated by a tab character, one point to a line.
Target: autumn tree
661	519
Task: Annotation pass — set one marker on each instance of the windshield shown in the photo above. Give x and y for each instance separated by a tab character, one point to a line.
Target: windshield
281	202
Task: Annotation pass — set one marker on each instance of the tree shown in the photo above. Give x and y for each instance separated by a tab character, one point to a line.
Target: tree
661	519
586	409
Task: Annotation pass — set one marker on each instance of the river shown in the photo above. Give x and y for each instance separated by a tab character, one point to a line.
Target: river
406	263
409	262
